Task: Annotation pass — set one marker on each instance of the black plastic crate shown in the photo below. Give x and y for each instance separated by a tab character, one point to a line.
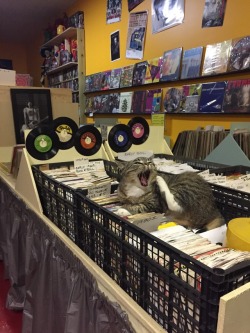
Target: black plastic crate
179	292
59	201
231	202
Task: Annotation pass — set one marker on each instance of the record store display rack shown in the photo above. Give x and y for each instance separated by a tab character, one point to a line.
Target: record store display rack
179	292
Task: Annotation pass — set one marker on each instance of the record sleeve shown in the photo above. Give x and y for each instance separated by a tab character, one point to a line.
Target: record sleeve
170	69
105	80
139	73
42	143
101	104
120	138
212	95
237	96
97	78
191	63
125	102
173	100
115	78
216	58
153	100
240	54
140	130
138	101
126	76
88	140
191	104
192	89
153	70
114	102
66	129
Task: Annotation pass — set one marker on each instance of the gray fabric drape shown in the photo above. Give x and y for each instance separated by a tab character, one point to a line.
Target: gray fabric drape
55	291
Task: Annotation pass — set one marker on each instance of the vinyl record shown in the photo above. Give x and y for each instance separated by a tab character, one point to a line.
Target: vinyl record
239	57
66	129
88	140
140	130
120	138
42	143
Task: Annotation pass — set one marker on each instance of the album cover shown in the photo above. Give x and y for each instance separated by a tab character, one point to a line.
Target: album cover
114	102
216	58
173	100
170	68
240	54
212	95
87	83
139	73
115	78
138	101
125	102
192	89
153	70
105	80
153	100
101	104
89	105
97	78
133	3
191	62
191	103
213	13
126	76
237	96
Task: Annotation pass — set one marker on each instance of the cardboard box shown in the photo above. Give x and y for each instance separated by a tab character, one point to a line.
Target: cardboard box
7	77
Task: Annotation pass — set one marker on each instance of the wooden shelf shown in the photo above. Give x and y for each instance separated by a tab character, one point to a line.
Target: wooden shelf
68	33
61	68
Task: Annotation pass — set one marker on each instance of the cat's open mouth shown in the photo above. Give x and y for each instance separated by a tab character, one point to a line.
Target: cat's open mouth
143	177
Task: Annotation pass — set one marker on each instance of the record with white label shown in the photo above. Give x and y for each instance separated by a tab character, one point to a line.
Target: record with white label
140	130
120	138
66	129
42	143
88	140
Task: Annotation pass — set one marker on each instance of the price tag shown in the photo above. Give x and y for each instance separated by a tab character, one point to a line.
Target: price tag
158	119
98	191
131	155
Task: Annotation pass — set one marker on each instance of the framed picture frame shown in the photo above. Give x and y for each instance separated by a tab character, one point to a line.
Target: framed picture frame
31	108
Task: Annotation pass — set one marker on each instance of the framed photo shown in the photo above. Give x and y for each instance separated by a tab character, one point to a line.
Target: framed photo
31	108
115	45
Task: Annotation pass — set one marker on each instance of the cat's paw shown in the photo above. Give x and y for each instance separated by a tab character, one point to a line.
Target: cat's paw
161	183
122	212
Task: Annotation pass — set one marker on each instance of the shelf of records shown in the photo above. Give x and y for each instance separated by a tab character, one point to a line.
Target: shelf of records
232	96
198	144
177	64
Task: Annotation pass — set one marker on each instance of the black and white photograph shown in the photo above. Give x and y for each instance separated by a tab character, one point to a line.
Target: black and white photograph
115	45
31	108
213	14
166	14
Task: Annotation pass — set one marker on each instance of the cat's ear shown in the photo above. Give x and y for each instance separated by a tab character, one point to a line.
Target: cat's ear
120	165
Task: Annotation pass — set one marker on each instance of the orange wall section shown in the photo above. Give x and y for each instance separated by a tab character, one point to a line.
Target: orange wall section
17	53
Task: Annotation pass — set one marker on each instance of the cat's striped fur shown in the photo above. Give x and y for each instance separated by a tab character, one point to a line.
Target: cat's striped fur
186	198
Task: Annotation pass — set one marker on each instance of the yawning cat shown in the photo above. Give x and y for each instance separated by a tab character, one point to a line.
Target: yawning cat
185	198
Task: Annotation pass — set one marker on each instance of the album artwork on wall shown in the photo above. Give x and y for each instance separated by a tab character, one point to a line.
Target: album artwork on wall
153	70
170	69
191	63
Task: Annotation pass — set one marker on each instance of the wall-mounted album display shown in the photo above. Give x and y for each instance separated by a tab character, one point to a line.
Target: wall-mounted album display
139	73
237	96
126	76
191	63
212	95
216	58
240	54
153	70
170	69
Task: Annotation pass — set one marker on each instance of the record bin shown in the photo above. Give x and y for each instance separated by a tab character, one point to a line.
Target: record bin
59	201
231	202
179	292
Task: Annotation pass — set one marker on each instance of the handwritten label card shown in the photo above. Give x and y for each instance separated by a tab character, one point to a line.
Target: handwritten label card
131	155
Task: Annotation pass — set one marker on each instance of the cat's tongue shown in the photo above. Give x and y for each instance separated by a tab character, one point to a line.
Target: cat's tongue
144	180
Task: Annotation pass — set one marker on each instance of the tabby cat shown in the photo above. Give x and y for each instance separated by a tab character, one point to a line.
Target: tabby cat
185	198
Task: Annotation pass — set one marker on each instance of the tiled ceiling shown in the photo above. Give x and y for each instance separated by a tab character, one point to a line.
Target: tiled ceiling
22	20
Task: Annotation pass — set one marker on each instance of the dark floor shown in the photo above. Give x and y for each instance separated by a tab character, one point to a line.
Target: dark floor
10	321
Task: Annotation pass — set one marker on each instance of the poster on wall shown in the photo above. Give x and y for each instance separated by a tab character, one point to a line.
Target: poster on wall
213	14
136	35
115	45
166	14
114	10
133	3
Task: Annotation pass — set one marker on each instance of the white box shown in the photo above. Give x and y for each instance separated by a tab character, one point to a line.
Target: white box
7	77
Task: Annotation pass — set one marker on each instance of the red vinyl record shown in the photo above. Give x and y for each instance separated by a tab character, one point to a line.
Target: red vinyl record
88	140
